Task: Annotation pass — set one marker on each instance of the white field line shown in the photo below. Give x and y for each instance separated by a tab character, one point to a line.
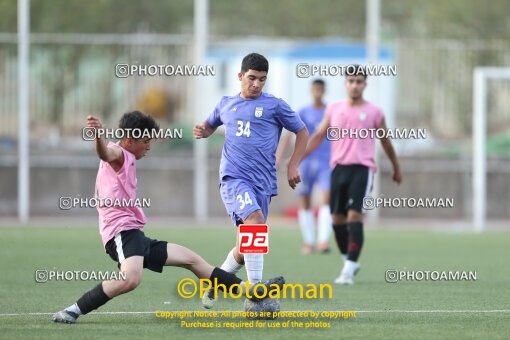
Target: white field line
394	311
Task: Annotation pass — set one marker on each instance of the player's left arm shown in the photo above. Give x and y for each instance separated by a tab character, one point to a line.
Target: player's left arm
292	122
293	175
280	151
392	155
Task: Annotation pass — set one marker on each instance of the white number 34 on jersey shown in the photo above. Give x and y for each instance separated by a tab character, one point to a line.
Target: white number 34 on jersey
243	129
245	201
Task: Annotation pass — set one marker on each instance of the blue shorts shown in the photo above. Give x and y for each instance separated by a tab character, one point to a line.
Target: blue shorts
313	172
241	199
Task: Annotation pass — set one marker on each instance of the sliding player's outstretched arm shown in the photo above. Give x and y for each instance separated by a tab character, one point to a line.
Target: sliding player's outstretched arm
203	130
318	136
299	150
390	152
113	156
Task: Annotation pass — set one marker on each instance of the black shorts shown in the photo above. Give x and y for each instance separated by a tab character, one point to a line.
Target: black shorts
349	185
133	242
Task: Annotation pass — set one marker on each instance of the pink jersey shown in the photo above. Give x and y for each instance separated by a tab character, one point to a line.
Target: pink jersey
118	185
350	150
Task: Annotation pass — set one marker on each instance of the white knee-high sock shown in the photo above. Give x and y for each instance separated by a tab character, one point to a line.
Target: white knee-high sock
324	224
230	265
254	265
306	223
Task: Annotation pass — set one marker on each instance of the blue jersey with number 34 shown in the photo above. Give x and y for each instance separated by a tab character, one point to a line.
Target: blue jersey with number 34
252	132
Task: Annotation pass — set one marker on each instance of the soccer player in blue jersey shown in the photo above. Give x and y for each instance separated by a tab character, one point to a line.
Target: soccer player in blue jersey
253	123
315	172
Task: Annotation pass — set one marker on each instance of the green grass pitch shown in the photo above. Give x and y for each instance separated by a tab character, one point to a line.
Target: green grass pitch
478	309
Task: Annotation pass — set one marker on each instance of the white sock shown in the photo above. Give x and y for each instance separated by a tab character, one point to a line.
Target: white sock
344	257
74	308
305	218
350	267
254	265
231	265
324	224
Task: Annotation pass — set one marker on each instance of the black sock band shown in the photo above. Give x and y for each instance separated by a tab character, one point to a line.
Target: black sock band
92	299
355	240
225	278
342	237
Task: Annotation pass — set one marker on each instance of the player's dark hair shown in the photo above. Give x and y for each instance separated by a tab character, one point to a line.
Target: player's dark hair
319	82
355	70
256	62
138	120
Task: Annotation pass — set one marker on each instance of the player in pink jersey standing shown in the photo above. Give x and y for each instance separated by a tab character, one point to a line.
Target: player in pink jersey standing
353	166
121	227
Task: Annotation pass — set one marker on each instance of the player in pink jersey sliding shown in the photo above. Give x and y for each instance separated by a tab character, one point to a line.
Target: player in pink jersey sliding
121	228
352	163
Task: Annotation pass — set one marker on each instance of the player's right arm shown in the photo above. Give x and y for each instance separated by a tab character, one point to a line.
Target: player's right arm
208	126
318	136
203	130
113	156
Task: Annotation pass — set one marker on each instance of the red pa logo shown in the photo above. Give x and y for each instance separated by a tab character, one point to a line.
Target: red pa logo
253	239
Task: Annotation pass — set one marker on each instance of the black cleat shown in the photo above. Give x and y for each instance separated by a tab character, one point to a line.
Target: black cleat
65	316
269	286
266	309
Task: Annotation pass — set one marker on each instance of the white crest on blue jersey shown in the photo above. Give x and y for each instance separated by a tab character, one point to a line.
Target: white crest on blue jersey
258	111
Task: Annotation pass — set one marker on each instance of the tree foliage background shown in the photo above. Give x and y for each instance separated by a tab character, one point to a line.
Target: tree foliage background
456	19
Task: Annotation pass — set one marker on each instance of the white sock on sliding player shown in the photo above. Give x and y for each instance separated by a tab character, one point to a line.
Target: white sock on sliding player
230	264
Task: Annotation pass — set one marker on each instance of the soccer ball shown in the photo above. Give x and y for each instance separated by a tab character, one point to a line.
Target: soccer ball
266	305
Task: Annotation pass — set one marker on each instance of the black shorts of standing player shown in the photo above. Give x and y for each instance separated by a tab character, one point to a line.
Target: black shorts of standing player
349	185
133	242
